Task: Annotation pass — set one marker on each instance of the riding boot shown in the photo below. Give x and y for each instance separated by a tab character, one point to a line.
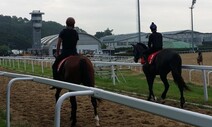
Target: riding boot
55	76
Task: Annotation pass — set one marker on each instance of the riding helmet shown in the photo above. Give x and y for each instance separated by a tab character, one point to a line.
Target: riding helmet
153	26
70	21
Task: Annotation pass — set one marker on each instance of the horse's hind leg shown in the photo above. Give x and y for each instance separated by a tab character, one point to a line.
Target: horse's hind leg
166	84
73	110
57	94
94	103
182	99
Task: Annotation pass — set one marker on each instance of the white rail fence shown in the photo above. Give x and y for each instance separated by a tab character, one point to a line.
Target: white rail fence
185	116
15	62
10	61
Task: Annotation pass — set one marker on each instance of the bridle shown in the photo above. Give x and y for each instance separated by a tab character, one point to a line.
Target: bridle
138	52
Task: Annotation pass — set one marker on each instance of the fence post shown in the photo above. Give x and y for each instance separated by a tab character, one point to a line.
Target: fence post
25	64
18	63
205	85
13	63
190	74
32	66
113	75
42	67
209	77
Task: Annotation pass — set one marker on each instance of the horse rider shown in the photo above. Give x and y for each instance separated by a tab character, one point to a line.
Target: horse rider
155	42
200	58
68	38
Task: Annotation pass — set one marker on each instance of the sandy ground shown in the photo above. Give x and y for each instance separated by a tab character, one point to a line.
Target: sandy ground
32	104
196	76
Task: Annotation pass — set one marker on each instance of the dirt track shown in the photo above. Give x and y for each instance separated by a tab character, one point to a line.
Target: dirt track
33	105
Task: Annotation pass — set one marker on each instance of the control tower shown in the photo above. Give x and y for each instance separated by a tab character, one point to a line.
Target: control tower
36	18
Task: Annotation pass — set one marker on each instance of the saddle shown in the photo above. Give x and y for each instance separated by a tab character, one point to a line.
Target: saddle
150	58
62	62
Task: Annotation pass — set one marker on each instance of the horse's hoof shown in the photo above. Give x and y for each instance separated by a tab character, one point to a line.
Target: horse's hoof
73	124
155	99
182	106
52	88
162	101
97	121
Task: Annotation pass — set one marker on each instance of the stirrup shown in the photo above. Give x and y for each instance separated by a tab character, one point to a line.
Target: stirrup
146	60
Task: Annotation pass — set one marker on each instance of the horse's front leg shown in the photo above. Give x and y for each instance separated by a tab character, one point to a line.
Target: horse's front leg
150	80
57	94
94	103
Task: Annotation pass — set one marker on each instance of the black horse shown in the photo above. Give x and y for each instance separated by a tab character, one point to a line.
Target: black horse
164	62
79	70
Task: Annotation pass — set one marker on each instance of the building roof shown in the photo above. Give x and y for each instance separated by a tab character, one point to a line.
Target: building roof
84	39
167	41
178	32
121	37
175	44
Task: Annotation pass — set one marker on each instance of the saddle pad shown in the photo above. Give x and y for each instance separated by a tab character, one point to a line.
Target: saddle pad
150	58
62	61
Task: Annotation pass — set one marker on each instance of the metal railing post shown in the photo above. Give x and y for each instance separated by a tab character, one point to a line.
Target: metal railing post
205	85
113	75
209	77
8	96
62	98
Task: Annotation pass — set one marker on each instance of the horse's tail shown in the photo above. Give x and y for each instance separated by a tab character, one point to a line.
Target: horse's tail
176	73
86	76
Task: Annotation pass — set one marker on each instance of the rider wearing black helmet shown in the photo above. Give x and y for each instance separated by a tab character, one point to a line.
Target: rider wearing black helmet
68	38
155	42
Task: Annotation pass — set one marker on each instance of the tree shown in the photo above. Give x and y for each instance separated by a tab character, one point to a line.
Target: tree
16	32
105	33
80	30
4	50
104	46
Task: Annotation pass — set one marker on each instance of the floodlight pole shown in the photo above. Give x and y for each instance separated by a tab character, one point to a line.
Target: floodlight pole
192	29
192	26
139	26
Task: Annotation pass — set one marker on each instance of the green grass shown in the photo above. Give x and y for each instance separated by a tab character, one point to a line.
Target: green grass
137	83
2	118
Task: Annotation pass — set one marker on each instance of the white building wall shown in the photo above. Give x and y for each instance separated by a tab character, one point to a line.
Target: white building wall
83	48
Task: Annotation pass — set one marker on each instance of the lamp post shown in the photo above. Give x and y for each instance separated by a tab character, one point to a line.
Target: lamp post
139	28
192	28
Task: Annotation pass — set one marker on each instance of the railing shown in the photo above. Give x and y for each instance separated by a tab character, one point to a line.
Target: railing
185	116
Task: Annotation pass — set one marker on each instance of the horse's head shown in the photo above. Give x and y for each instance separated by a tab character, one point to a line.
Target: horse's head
138	50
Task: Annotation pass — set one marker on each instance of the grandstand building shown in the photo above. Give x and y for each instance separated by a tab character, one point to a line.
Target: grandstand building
87	44
174	39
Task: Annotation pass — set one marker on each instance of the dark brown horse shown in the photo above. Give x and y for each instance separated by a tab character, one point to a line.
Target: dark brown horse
79	70
166	61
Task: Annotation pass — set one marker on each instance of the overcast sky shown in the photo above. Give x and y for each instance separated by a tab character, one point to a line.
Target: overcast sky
119	15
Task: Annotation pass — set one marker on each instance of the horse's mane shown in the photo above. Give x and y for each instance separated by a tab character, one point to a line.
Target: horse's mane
143	45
